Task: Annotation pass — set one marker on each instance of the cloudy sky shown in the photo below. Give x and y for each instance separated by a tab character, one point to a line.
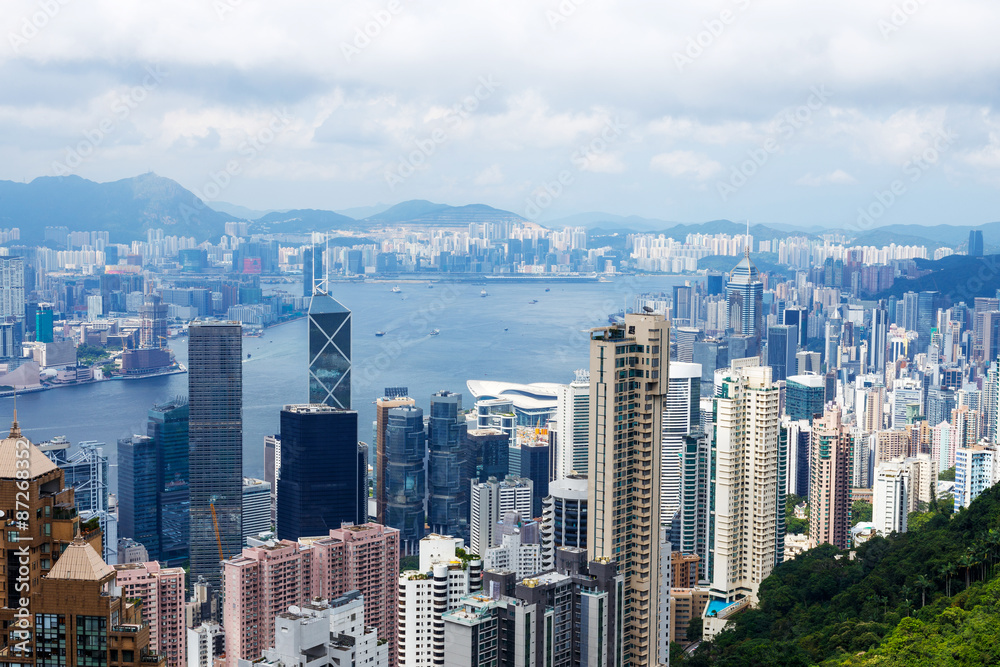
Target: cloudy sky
788	111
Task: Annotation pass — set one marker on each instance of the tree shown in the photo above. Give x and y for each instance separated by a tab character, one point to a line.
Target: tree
947	475
861	512
923	583
694	630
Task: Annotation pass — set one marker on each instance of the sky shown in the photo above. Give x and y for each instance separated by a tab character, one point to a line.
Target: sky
857	112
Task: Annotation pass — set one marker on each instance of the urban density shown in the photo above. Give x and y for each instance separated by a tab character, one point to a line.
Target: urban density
319	346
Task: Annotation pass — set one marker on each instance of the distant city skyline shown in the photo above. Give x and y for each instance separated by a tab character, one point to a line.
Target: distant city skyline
499	104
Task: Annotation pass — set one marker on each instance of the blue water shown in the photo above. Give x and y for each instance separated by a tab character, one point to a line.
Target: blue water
500	337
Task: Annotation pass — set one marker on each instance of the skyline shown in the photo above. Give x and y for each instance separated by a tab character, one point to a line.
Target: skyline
318	115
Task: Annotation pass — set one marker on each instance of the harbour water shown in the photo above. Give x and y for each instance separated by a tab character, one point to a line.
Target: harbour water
518	333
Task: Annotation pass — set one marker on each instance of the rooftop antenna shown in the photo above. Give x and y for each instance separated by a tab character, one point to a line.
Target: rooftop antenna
747	247
15	430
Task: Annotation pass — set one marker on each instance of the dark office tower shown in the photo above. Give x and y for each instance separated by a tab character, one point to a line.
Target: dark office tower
797	316
490	449
312	269
138	516
925	319
395	397
781	348
405	479
713	283
940	402
879	338
975	243
154	322
43	325
745	296
449	467
908	318
167	425
712	354
681	313
323	477
215	392
329	352
531	461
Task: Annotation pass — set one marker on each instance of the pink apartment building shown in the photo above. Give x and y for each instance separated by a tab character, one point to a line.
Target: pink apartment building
265	581
162	592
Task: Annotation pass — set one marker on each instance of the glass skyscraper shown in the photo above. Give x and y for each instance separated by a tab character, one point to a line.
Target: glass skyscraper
215	393
323	480
450	466
405	480
329	352
138	516
167	425
744	297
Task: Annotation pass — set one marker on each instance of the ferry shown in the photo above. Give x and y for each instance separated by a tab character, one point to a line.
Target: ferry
395	289
435	332
483	293
379	333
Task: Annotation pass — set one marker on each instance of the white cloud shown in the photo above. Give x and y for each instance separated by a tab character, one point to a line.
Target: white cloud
686	163
836	177
492	175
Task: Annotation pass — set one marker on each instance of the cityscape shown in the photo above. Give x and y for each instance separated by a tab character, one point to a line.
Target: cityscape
272	403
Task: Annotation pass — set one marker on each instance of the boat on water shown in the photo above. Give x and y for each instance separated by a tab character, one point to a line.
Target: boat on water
533	301
395	289
248	355
483	293
435	332
380	333
429	286
547	289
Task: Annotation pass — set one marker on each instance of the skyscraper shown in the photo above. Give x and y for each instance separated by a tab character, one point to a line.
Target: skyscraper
449	467
681	416
490	449
975	243
489	501
745	296
395	397
405	477
627	362
167	425
138	506
749	528
925	318
799	317
312	269
11	287
879	339
215	392
572	418
329	352
323	481
781	348
830	488
154	322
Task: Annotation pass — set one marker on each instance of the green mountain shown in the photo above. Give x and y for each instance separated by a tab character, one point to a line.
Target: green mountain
303	221
956	277
125	208
420	212
930	596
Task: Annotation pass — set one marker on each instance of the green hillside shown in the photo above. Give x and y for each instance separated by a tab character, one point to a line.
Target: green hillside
927	597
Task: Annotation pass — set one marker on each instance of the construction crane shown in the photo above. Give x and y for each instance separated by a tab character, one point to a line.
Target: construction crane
215	522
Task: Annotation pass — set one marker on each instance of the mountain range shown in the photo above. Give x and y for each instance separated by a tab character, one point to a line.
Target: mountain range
129	207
